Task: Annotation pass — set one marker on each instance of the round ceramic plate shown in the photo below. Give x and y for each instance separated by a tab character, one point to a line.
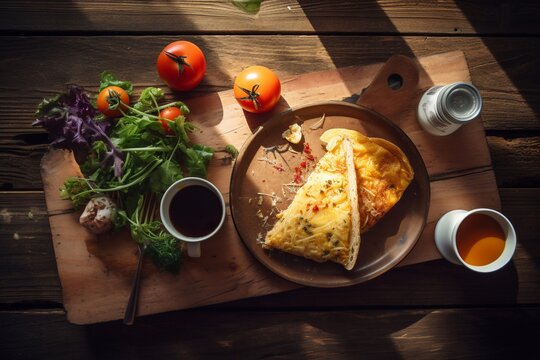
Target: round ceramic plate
258	191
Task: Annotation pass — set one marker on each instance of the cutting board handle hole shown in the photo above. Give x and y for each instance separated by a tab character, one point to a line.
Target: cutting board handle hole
395	81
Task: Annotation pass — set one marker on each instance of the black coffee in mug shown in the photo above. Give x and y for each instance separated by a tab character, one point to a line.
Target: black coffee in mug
195	211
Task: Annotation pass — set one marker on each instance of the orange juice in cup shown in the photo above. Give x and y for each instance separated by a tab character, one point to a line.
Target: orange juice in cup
482	240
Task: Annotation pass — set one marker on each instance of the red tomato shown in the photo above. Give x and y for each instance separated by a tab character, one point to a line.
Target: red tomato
257	89
182	65
169	113
107	96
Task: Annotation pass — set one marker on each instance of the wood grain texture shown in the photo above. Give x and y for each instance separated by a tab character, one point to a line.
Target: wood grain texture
424	311
278	16
375	334
504	70
95	272
523	284
28	267
518	163
20	169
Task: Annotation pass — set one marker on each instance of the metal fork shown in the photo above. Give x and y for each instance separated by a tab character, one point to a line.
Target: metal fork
149	212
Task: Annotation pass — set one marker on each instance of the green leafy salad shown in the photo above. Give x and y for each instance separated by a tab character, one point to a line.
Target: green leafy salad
125	161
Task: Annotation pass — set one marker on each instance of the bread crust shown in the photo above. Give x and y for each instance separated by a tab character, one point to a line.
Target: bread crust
352	190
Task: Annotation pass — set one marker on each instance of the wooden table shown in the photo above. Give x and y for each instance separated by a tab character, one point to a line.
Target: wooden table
429	310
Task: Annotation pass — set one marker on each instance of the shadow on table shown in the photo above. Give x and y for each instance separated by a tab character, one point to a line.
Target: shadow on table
519	19
521	71
334	45
355	320
487	18
251	334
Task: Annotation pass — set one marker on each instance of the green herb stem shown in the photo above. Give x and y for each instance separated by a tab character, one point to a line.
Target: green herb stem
148	148
143	113
174	103
139	177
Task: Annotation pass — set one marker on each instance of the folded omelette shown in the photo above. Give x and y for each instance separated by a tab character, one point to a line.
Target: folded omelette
383	173
353	185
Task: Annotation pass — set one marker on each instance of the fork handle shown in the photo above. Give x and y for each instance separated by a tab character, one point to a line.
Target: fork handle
131	309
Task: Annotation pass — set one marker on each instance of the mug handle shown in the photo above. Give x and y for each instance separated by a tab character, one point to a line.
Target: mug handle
194	249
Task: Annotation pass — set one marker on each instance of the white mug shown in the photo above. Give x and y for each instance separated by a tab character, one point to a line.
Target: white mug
193	242
446	235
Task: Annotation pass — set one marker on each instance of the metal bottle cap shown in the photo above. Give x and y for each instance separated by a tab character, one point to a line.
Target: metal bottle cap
460	102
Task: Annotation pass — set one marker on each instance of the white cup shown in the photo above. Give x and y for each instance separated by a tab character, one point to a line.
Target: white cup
193	243
447	228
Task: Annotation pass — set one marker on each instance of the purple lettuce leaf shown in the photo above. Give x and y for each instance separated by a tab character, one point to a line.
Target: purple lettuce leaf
69	120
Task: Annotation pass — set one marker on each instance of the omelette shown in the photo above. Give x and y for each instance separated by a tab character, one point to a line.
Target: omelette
382	170
322	221
352	187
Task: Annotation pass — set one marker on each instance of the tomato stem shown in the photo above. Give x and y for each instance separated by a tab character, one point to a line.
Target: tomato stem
180	60
113	99
252	95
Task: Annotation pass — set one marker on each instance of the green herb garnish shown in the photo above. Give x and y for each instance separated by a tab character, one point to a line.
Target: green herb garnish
150	160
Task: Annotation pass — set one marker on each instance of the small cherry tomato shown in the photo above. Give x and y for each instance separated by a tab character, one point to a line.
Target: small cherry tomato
257	89
181	65
169	113
110	96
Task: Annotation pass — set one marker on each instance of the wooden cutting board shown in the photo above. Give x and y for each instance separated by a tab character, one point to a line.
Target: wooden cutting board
96	274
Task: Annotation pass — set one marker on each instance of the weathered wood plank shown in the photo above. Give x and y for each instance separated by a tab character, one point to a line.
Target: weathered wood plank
515	160
505	70
516	283
302	16
400	334
20	169
19	165
28	269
